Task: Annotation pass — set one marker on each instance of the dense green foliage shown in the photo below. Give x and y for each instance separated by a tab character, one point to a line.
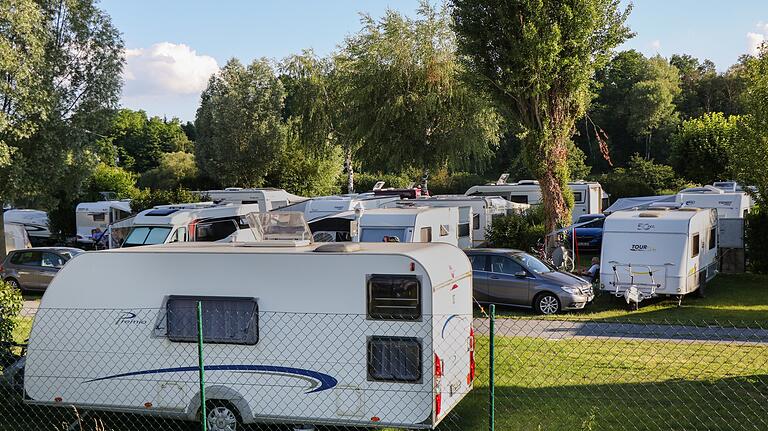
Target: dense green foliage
305	172
177	169
755	240
11	302
537	59
146	198
702	146
641	177
520	231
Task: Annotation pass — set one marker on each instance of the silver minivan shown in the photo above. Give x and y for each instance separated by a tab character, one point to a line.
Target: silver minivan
34	268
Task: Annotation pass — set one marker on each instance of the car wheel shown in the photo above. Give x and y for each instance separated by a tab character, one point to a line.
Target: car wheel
547	304
13	283
222	416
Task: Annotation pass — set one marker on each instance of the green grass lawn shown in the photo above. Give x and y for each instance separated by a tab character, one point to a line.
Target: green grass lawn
618	385
740	300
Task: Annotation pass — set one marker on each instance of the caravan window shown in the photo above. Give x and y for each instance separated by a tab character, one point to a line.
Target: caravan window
215	231
99	216
463	230
521	199
426	234
712	238
394	297
578	197
382	234
226	320
476	221
394	359
695	245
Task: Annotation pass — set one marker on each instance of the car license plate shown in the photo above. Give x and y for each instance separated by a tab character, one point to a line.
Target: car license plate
583	244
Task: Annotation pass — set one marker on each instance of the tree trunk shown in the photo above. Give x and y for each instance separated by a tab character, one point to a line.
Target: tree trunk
548	161
350	171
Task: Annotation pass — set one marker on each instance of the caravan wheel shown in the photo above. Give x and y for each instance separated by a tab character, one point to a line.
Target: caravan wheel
222	416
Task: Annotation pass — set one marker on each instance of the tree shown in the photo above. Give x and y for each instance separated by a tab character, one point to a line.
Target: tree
651	100
641	177
409	106
76	84
704	90
317	106
702	146
238	123
537	58
176	169
107	178
749	153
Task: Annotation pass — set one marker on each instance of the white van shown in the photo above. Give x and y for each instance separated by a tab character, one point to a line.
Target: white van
195	222
93	218
658	252
588	196
268	199
476	213
383	338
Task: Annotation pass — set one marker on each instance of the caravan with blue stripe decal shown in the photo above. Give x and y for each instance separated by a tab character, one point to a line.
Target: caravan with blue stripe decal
357	334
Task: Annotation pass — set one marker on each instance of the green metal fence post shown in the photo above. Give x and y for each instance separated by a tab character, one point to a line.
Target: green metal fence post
491	380
201	367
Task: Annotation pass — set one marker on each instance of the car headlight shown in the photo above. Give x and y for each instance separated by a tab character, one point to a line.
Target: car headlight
572	290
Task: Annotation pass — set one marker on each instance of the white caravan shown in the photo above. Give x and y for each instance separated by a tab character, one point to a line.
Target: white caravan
733	204
324	206
93	218
268	199
476	213
588	196
384	338
658	252
16	237
34	221
197	222
389	225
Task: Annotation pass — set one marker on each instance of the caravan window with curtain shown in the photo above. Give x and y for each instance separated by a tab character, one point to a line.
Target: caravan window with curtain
394	359
226	320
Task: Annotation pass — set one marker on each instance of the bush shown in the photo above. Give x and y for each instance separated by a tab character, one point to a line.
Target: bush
147	198
444	183
641	178
176	170
757	246
307	173
10	306
364	182
520	231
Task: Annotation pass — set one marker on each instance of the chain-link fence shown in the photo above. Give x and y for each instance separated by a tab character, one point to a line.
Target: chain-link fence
138	369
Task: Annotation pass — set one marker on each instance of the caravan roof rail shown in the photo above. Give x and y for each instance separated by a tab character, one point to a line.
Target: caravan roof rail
338	247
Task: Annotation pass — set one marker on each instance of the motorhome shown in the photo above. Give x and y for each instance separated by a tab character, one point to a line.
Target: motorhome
93	218
324	206
476	213
390	225
268	199
34	221
658	251
384	319
588	196
196	222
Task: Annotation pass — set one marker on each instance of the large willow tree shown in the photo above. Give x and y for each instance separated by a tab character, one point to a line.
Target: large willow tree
537	57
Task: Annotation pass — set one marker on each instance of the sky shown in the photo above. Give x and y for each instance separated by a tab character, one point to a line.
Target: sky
173	46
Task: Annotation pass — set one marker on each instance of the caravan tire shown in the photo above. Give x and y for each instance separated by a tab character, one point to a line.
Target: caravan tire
222	416
547	304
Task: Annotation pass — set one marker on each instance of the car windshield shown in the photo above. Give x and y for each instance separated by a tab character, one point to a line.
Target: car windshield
145	235
532	263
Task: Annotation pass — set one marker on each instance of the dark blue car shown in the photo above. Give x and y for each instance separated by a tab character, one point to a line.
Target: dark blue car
590	235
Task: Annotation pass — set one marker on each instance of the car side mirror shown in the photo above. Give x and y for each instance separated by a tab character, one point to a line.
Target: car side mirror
521	274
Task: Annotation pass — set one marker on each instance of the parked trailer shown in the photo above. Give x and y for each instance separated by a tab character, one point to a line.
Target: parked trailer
476	213
588	196
334	349
658	252
268	199
324	206
193	222
93	218
34	221
729	205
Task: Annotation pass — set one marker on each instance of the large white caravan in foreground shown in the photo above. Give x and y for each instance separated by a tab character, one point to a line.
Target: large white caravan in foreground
382	338
588	196
93	218
658	252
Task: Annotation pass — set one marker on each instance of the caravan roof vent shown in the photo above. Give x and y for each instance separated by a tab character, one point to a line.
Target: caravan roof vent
338	247
648	215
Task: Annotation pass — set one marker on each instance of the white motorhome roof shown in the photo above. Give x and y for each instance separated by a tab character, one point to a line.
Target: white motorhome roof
26	216
266	193
183	215
103	206
659	220
639	202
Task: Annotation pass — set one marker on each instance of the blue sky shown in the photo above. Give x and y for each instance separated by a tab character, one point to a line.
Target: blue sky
172	46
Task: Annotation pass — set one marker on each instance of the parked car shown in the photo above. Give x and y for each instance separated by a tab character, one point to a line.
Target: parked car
513	277
590	235
34	268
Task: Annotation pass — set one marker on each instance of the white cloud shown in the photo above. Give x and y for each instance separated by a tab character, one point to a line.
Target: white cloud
656	45
756	39
166	69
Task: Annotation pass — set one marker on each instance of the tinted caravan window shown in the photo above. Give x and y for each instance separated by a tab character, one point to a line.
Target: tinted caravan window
394	359
394	297
226	320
